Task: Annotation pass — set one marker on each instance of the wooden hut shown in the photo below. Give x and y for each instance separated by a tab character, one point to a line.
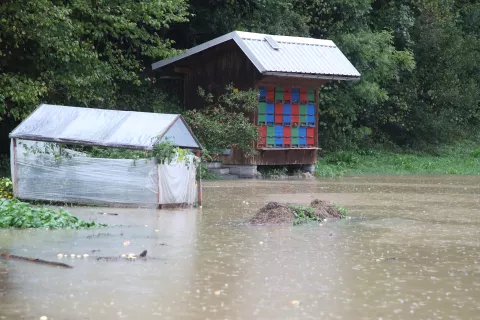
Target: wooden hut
286	71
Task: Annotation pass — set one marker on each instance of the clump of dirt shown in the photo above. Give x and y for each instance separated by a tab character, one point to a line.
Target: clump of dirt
273	213
325	210
276	213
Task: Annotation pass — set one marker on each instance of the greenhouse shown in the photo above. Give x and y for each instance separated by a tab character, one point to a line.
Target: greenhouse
105	157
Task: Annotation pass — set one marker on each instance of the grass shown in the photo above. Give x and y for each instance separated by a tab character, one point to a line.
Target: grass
461	159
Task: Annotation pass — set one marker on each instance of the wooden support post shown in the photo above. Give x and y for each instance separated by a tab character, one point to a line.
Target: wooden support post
199	183
157	167
15	169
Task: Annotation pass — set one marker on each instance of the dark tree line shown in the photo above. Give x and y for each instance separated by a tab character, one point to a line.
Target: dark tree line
419	60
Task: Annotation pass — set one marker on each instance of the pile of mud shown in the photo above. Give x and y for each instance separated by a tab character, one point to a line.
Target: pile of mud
276	213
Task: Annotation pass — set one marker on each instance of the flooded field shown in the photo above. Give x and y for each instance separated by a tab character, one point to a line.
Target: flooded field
411	250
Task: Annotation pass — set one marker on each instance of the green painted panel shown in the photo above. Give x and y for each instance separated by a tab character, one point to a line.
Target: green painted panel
262	107
303	109
262	118
270	131
294	132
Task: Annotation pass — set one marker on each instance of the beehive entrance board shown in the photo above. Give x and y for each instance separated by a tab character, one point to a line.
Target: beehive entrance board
286	117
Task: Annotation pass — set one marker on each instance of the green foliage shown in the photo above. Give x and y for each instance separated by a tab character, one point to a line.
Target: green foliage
6	188
418	60
304	214
205	174
342	210
164	152
475	153
21	215
459	159
325	170
342	158
224	123
80	52
213	18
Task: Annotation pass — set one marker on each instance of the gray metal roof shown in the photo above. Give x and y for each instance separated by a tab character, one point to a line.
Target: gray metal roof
108	128
284	56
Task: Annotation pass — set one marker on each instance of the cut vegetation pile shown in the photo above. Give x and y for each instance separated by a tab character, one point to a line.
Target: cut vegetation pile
276	213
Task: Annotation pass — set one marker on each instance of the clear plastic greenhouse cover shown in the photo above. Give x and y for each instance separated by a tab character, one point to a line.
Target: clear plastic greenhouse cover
78	178
109	128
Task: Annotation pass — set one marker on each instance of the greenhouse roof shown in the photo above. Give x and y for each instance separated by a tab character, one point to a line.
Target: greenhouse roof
107	128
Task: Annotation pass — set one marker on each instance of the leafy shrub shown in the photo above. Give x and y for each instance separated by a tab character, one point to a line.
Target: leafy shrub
205	174
224	123
475	153
6	188
22	215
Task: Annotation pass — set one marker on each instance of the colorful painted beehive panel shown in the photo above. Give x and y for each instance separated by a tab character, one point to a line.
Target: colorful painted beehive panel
286	117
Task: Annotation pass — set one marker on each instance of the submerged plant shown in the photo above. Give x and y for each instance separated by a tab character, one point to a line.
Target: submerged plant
342	210
22	215
304	214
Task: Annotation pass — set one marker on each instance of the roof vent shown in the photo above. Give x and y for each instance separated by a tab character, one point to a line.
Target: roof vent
272	43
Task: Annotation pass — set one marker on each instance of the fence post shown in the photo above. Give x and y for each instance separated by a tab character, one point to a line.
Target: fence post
199	181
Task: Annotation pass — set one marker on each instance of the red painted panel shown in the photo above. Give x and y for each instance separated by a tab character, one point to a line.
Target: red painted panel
295	110
278	108
262	131
295	119
310	132
278	119
287	131
303	96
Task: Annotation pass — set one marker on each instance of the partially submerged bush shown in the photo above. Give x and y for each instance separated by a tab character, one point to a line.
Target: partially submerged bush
22	215
319	210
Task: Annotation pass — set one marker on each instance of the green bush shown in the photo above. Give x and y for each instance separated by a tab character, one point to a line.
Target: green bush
223	123
22	215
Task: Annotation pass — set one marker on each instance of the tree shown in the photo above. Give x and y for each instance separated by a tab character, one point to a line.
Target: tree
79	52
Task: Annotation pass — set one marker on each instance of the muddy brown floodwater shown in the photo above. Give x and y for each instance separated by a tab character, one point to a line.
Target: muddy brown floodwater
410	251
